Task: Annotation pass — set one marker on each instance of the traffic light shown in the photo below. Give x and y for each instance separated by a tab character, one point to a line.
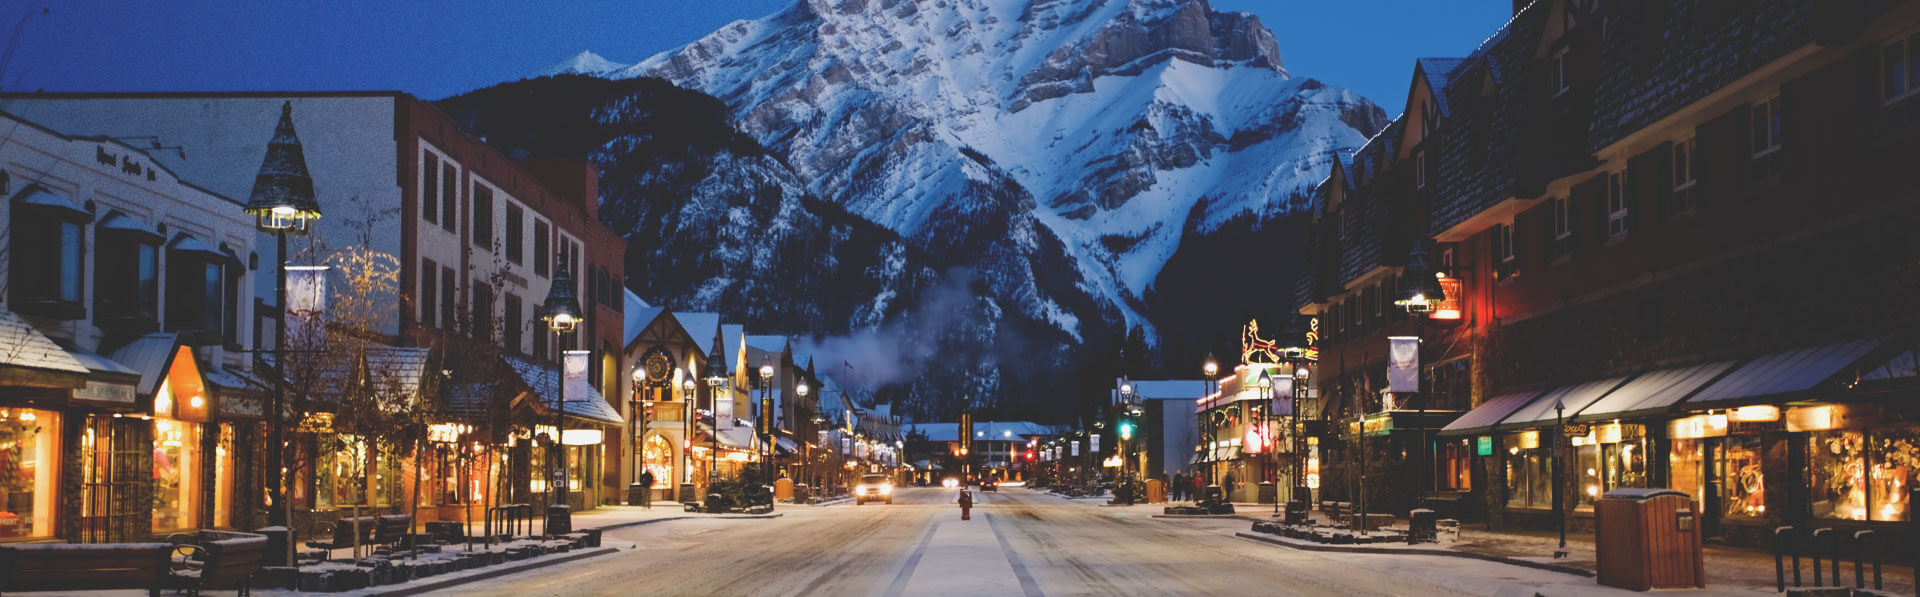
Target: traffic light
1126	429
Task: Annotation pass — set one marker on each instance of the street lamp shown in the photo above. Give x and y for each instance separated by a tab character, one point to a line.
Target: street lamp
800	391
1265	384
1422	292
716	383
1212	371
637	420
282	203
687	387
766	425
1559	470
562	314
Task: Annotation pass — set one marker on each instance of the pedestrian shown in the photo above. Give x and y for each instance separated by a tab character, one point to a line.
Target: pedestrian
1226	486
1199	488
1179	486
646	493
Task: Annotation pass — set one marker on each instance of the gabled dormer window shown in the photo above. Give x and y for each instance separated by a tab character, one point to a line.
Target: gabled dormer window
196	290
126	278
1557	73
45	254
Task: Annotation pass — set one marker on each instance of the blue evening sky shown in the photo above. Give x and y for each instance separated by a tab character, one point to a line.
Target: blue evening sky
436	48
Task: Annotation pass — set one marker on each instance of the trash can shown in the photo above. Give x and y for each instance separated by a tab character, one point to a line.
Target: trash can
1648	539
1269	493
1421	526
783	489
1156	491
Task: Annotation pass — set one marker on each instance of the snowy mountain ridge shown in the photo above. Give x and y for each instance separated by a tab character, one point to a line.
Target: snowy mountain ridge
1028	136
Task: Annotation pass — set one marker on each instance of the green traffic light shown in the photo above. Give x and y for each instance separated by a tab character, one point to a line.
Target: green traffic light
1126	430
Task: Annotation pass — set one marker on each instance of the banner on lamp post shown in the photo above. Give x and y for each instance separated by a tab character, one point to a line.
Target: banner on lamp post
1403	364
1093	443
1282	393
306	315
1076	449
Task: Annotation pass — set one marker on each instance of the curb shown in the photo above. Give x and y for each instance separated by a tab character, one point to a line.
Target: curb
635	523
1421	552
1193	516
491	574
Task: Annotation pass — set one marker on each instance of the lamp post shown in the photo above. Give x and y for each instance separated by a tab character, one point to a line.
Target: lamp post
717	377
1559	471
282	203
1128	411
562	314
1212	370
637	420
766	425
1421	293
800	391
687	388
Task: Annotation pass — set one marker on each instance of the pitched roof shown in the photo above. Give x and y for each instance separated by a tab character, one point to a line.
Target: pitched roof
150	355
638	315
701	326
24	347
1436	71
583	401
768	343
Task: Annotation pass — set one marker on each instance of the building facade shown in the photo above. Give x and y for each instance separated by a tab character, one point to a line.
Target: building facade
1616	195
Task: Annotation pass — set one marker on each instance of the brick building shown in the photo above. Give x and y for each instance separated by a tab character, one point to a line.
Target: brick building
1689	225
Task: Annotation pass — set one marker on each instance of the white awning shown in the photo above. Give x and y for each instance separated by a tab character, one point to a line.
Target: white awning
1653	392
1482	418
1573	397
1787	371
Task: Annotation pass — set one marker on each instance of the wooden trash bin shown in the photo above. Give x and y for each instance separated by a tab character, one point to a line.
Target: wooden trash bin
783	489
1156	491
1648	539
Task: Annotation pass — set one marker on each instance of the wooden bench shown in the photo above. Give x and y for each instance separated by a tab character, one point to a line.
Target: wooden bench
340	533
392	530
219	560
74	567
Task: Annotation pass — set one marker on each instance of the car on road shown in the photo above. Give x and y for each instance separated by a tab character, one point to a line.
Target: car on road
990	485
950	483
873	488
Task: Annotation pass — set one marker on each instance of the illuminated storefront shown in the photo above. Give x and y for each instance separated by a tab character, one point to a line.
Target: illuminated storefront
29	467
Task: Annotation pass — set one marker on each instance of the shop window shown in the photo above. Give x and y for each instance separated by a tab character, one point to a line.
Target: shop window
1529	478
1742	483
341	478
516	236
658	457
1863	474
1454	470
115	454
29	472
176	474
1686	466
223	478
49	228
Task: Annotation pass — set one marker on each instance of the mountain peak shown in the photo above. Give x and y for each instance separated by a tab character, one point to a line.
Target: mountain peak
584	63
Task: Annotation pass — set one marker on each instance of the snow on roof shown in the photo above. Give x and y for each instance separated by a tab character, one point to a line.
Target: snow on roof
768	343
638	317
583	401
403	370
701	327
735	336
22	346
1438	71
38	195
95	363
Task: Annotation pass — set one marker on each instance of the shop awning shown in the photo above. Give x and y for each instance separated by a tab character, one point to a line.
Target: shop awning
1482	418
152	355
1652	392
1574	397
1785	372
786	445
28	358
108	381
1905	365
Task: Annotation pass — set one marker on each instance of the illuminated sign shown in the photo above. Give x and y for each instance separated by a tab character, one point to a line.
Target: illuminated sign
446	433
1755	414
1313	340
1483	445
1252	345
1450	307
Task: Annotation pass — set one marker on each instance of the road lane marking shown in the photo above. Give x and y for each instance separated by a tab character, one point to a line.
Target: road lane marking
1019	570
899	585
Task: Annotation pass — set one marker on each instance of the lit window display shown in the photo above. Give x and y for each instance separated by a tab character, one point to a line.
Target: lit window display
28	471
1743	486
659	461
1863	474
1529	472
1687	467
341	475
223	478
176	474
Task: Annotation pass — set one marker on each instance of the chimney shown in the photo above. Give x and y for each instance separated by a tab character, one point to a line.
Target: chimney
575	181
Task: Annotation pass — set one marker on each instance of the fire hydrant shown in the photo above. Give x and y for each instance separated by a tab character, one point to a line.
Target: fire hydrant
966	505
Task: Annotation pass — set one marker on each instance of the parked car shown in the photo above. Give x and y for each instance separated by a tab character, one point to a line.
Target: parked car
873	488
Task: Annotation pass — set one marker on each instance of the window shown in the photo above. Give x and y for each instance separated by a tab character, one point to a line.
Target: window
542	247
482	216
449	197
430	188
176	474
1744	492
126	280
1506	259
1529	473
1453	467
1346	224
1561	214
448	294
482	312
516	247
1864	474
342	474
1766	138
48	227
1683	177
1557	73
1900	82
1420	169
1447	260
429	291
196	287
1617	223
511	326
29	451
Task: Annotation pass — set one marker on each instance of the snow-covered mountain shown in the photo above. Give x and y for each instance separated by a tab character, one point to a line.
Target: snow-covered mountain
584	63
1064	147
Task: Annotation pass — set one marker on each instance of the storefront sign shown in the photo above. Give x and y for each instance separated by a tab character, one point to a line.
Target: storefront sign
1483	445
316	423
1755	414
1449	307
1697	426
1829	416
1576	429
1312	354
583	437
234	405
1379	425
114	393
1403	364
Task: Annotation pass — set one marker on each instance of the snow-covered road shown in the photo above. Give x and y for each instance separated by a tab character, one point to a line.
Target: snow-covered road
1018	542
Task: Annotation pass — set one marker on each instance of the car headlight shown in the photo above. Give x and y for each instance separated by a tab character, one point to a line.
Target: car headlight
886	488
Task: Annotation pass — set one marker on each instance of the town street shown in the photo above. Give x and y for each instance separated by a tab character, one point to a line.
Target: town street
1018	542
